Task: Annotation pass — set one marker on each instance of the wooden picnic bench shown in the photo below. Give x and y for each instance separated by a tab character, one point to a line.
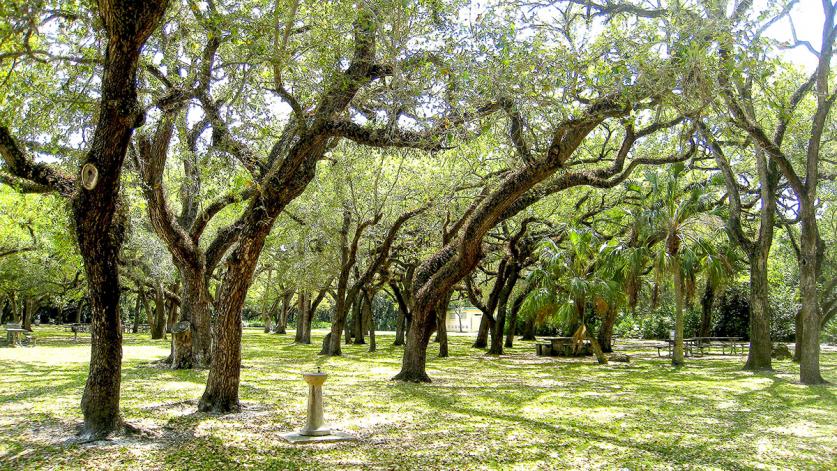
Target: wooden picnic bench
697	346
561	346
733	344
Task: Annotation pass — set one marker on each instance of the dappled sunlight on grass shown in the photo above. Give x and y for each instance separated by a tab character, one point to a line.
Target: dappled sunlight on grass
514	411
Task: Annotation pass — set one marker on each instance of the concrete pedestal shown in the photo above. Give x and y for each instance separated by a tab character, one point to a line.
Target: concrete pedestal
314	426
315	431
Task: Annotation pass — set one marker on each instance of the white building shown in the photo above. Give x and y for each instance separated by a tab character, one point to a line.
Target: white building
463	319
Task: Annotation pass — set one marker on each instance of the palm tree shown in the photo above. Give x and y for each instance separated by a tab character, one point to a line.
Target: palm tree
686	229
572	283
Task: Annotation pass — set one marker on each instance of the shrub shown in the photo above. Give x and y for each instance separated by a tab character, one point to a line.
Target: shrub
733	318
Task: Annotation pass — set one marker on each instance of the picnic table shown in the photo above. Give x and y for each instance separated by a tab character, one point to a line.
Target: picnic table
561	346
705	344
14	333
695	346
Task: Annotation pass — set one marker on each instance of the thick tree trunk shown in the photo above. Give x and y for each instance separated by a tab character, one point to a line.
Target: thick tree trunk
29	307
809	361
196	308
158	326
496	347
529	329
171	315
415	351
605	339
338	326
358	316
442	328
303	320
221	394
181	337
282	320
759	356
518	303
482	333
98	216
706	303
400	324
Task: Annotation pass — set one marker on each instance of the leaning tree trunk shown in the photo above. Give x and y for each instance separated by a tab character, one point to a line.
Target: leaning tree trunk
502	308
594	344
482	333
759	356
331	345
518	303
221	394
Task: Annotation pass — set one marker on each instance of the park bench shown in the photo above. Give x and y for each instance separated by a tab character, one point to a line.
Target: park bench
18	337
543	348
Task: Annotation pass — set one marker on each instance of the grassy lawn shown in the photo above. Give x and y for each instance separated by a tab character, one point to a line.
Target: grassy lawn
517	411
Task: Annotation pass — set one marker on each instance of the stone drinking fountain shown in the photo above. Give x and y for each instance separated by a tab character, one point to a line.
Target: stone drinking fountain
315	429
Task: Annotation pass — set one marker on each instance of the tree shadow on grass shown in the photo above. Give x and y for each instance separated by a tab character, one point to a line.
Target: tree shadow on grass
578	429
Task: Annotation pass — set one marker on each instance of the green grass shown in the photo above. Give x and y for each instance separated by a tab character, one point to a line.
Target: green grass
518	411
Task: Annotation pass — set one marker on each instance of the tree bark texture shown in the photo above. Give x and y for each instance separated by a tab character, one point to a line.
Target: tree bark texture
99	216
759	357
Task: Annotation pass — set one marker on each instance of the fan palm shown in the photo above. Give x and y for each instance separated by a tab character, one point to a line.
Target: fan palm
572	283
686	228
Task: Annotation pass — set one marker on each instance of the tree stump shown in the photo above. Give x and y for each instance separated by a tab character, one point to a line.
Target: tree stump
182	342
